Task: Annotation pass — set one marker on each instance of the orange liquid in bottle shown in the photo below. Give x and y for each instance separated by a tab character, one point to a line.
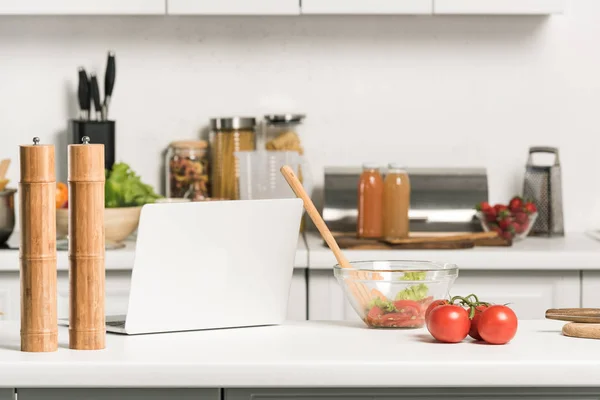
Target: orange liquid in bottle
370	203
396	203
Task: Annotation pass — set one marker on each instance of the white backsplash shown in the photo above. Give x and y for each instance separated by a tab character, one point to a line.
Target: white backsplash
423	91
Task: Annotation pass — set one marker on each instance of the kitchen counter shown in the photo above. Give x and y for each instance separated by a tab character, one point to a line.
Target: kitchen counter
119	259
306	355
574	251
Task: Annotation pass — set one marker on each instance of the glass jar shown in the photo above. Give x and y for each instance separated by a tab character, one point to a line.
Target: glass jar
228	136
187	170
281	132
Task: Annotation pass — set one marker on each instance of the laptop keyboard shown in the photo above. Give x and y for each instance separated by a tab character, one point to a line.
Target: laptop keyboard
118	324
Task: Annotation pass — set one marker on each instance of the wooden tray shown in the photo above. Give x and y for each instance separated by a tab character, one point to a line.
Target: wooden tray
422	241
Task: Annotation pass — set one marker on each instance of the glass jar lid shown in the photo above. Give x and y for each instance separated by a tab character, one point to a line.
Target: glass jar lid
230	123
189	144
275	119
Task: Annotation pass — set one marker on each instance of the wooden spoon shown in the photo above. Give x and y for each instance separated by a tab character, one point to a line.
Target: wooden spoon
4	164
310	208
358	289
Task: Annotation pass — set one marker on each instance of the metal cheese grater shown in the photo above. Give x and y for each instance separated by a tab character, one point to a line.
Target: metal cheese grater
543	186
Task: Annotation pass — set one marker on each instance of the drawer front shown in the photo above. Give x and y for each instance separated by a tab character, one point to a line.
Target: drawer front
414	394
530	293
590	289
118	394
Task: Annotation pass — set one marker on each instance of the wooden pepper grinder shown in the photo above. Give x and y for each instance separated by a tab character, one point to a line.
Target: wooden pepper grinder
37	187
87	329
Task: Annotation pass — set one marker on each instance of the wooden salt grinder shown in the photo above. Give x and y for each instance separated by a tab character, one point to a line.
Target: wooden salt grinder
37	187
87	329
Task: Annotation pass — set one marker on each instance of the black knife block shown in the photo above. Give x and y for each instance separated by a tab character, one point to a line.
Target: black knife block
99	132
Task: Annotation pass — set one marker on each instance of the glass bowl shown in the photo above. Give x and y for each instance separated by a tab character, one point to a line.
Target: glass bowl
518	227
395	294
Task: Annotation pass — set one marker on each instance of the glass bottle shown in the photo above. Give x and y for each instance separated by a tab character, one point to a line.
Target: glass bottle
370	203
396	203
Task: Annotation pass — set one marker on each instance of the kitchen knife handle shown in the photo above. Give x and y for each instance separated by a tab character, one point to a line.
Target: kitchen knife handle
95	93
83	92
109	77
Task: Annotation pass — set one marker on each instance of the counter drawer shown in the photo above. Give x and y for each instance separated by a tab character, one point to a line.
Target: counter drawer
414	394
118	394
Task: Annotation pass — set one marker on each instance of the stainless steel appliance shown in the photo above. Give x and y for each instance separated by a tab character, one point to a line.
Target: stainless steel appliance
543	185
441	200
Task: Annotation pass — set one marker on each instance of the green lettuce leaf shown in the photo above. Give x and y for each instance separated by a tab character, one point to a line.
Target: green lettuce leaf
123	188
416	293
386	306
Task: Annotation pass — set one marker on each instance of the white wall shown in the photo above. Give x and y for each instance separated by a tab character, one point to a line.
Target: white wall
424	91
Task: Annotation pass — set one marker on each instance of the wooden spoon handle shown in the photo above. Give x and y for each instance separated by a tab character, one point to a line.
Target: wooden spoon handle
298	189
4	164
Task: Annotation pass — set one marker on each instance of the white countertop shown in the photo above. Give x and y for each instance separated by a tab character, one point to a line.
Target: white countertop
575	251
306	354
120	259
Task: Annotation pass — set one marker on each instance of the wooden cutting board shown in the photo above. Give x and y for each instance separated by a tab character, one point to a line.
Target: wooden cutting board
586	315
580	330
421	241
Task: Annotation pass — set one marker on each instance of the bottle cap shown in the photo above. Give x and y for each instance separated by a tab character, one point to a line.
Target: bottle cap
396	166
371	165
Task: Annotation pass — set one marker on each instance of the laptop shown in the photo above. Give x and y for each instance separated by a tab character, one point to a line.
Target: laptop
211	265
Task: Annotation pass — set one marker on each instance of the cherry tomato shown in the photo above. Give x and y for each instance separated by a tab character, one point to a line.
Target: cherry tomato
435	304
449	323
474	332
497	325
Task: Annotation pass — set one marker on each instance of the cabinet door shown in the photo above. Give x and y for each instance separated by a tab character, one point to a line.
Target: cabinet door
10	295
233	7
82	7
367	6
118	394
116	293
297	309
590	289
530	293
326	301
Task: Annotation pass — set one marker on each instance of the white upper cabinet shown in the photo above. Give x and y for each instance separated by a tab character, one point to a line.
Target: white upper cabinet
82	7
233	7
500	7
380	7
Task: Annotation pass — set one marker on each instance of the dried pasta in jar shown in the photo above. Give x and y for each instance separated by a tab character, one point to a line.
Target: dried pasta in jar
229	135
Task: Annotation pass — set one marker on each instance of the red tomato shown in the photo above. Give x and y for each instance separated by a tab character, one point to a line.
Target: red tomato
434	304
497	325
408	306
449	323
474	332
374	316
